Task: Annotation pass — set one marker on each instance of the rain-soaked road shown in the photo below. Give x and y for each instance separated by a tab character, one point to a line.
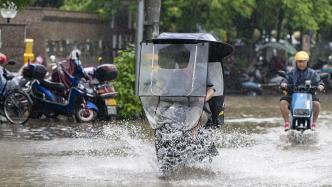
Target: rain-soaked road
253	148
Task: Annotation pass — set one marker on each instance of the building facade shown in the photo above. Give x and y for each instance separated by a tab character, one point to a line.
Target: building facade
57	32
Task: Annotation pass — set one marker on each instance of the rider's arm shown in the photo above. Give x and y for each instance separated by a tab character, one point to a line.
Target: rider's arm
210	88
209	93
316	80
283	83
288	80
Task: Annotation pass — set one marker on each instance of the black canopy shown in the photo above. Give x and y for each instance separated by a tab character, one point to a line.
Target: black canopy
217	50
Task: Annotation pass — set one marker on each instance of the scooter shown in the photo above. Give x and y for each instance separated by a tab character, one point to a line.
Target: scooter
301	108
249	86
242	84
95	80
46	102
325	67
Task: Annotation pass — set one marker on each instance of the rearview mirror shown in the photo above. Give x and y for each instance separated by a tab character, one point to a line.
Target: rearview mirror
324	76
11	62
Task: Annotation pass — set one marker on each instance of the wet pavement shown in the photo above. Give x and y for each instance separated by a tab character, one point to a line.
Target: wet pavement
254	151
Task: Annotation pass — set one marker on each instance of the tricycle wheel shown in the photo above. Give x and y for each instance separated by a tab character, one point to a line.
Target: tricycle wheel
17	107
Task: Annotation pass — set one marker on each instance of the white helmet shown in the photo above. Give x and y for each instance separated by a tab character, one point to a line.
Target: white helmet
53	58
74	55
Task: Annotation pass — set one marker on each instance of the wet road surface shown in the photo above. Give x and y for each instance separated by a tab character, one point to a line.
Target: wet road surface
253	148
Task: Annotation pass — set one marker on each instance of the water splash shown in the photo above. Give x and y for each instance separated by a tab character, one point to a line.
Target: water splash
307	137
180	149
235	138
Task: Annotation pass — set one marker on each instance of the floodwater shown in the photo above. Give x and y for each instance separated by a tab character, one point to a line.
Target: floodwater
254	151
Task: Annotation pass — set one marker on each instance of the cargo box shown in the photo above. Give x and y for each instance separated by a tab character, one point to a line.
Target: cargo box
106	72
34	71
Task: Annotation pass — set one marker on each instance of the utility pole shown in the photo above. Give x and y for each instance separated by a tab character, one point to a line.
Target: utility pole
152	17
139	36
147	26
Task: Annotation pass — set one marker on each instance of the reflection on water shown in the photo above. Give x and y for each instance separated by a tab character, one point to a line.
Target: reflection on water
253	148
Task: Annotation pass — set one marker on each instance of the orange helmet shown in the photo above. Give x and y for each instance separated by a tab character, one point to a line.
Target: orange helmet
3	59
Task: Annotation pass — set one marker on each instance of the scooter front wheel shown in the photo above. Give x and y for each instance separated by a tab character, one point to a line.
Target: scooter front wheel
84	115
17	107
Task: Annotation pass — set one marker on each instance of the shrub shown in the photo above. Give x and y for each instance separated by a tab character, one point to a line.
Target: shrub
129	105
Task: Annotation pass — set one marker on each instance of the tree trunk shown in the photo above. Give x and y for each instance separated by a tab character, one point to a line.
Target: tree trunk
301	39
279	23
151	18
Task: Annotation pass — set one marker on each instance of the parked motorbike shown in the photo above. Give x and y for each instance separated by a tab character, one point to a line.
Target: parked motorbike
106	94
325	66
172	82
96	79
242	84
51	100
271	57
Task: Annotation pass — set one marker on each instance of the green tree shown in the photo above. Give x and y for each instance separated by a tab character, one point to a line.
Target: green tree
243	16
308	14
237	18
19	3
104	8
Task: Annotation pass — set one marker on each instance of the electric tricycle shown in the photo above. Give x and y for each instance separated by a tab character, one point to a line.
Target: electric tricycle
15	103
173	74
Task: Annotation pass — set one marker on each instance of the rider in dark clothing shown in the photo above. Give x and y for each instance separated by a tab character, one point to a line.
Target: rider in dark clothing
215	75
297	77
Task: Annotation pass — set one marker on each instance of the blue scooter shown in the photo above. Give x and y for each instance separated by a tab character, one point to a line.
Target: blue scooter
301	107
46	102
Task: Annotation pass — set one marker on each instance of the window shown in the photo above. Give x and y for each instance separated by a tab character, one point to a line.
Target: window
175	56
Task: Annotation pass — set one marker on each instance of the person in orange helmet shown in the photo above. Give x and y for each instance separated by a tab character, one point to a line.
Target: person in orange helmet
297	77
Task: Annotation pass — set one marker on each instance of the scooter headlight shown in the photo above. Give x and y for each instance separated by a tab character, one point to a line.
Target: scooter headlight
301	112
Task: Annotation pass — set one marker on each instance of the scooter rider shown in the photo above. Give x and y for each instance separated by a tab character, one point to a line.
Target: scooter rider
297	77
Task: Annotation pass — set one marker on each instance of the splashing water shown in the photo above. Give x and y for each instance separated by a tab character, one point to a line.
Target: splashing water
252	152
307	137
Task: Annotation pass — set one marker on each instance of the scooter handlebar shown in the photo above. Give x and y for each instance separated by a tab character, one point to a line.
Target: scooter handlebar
291	89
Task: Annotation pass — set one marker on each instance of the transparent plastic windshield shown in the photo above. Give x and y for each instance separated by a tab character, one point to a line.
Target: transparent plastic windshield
173	69
216	77
181	113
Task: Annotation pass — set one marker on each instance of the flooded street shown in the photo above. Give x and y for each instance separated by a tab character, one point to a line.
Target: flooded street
253	148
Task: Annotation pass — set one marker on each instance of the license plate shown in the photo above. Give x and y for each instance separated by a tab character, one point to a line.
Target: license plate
111	110
110	102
